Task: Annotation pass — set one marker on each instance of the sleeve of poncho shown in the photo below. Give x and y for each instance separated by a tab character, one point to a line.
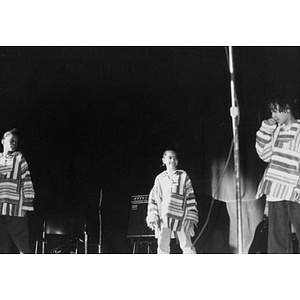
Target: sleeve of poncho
264	141
26	185
191	204
152	210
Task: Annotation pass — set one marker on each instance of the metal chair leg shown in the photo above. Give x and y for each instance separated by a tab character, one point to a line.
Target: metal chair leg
36	247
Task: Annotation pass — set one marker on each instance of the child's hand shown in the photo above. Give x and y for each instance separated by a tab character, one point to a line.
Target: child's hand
271	122
297	194
151	221
189	227
152	225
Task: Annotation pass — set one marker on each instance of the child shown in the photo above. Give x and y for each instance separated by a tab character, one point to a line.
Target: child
16	196
278	144
172	208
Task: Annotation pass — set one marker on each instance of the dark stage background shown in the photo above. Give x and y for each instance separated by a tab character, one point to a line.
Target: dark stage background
96	118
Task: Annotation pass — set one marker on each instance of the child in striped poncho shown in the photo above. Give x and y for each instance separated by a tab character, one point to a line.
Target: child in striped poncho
16	196
278	144
172	208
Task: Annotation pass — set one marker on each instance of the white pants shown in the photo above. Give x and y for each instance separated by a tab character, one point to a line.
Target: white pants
164	239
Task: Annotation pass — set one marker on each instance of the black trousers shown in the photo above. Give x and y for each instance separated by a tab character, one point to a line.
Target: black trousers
280	217
14	229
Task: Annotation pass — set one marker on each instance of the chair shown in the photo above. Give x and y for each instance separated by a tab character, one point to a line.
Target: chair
63	234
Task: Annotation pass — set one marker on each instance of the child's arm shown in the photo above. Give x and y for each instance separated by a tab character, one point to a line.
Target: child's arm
264	139
152	211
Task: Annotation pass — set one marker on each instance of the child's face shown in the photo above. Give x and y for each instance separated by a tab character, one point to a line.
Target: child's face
281	117
9	142
170	160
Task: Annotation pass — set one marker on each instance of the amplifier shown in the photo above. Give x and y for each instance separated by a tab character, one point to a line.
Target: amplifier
137	227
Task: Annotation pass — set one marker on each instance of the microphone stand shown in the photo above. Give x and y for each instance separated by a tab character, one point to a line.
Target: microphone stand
234	112
100	225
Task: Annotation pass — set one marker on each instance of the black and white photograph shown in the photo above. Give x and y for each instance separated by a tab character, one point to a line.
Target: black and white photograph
125	136
95	126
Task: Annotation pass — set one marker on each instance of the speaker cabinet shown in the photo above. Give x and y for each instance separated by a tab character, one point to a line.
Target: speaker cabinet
137	227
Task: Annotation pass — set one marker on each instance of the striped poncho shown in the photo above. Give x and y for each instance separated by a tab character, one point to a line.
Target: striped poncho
281	149
172	202
16	188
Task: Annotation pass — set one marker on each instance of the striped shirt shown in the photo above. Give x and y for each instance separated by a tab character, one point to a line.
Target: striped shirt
281	149
172	201
16	188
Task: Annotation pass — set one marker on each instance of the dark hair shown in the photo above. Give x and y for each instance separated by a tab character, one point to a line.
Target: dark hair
284	102
170	149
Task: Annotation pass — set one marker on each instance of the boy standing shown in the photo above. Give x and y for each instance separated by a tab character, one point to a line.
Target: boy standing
16	196
278	144
172	208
